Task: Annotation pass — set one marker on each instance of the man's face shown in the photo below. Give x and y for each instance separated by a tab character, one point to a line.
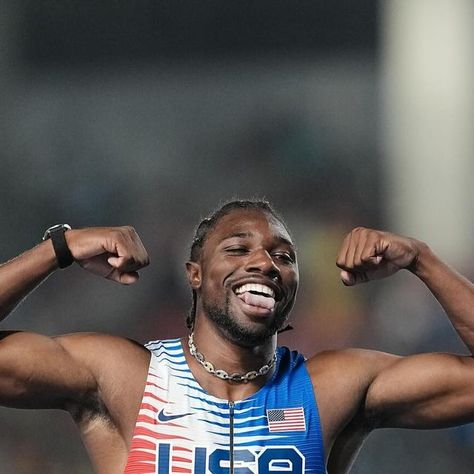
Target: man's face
249	276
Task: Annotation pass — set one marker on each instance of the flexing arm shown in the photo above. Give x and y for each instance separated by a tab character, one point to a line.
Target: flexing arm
39	371
369	254
427	390
115	253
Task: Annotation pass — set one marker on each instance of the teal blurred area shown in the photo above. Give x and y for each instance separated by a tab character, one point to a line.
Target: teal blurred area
152	114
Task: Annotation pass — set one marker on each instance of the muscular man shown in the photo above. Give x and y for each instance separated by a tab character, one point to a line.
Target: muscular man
227	399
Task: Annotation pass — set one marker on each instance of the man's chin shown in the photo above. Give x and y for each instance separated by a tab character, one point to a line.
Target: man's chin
252	332
247	337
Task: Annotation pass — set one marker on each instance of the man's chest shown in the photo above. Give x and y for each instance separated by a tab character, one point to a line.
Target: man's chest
182	428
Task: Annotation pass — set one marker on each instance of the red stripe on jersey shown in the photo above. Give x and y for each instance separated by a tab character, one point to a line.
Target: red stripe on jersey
152	395
151	384
139	469
145	419
141	455
140	443
179	459
152	421
148	406
182	448
140	430
151	374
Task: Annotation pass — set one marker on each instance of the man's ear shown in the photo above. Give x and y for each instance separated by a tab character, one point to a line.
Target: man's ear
193	271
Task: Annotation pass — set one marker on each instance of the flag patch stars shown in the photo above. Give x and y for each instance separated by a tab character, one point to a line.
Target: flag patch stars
286	419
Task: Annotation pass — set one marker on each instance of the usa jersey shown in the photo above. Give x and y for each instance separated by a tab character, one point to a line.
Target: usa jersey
183	429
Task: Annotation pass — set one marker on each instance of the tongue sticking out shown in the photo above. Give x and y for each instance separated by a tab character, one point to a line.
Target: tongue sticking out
260	301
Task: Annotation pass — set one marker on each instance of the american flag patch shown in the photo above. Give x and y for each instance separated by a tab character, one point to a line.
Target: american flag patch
286	419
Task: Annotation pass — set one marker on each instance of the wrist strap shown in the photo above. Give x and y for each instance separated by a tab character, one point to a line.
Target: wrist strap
63	254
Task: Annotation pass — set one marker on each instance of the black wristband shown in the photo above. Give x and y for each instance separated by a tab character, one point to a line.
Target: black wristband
63	254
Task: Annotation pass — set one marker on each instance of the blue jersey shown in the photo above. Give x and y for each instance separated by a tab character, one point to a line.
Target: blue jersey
183	429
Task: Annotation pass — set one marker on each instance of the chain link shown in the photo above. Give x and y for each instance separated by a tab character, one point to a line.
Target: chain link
222	374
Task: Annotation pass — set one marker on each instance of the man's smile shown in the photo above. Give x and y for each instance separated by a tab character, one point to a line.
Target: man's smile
259	297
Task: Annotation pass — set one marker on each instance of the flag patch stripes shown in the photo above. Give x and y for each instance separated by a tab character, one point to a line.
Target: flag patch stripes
286	419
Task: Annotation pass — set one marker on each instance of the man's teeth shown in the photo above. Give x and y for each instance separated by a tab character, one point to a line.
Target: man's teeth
255	287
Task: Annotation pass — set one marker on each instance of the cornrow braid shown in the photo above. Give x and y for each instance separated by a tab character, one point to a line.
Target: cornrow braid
208	223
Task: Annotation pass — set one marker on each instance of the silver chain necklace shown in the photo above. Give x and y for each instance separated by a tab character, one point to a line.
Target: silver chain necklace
222	374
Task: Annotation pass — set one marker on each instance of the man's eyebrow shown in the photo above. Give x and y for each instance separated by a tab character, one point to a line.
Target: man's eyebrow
241	235
286	241
248	234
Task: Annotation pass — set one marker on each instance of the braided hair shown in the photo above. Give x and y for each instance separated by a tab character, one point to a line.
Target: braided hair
207	224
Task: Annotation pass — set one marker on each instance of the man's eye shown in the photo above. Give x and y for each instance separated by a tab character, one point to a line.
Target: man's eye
236	250
284	256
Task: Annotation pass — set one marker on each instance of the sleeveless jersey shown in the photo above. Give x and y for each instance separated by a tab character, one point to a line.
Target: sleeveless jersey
183	429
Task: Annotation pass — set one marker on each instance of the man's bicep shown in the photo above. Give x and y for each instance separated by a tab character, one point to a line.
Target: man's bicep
37	372
423	391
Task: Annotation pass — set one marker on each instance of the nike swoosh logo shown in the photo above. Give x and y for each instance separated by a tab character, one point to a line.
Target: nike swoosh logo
164	418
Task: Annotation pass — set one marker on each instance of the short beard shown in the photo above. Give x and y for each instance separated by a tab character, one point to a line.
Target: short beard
238	333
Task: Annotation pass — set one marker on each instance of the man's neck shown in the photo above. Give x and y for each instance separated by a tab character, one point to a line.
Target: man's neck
230	357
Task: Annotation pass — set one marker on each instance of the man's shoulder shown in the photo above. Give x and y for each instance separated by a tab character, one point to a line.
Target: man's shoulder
362	364
101	349
341	380
95	338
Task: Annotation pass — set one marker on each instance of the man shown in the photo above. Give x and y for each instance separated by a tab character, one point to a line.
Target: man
226	399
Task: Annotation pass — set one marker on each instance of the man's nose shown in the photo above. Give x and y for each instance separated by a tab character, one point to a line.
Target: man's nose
261	261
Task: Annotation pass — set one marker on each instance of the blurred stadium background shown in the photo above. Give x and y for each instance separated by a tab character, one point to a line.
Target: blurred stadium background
150	113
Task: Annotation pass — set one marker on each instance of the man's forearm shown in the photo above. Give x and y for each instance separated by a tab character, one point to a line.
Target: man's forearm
454	292
21	275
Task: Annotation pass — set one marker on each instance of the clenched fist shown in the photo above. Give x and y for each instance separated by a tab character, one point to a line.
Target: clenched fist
116	253
369	254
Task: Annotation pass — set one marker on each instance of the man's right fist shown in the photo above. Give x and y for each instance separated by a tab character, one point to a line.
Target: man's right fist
116	253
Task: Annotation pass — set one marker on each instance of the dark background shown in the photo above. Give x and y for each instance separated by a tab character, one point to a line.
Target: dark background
151	113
